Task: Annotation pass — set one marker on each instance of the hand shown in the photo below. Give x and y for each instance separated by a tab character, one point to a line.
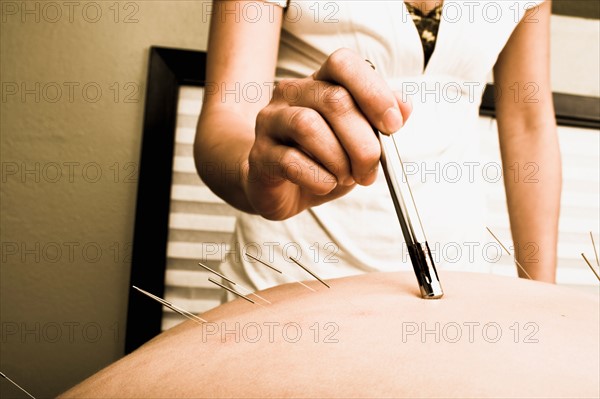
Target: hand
315	139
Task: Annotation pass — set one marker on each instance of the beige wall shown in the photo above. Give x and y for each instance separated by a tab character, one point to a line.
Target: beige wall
103	136
73	296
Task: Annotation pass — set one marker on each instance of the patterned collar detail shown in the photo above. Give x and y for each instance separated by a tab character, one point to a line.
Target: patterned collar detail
427	25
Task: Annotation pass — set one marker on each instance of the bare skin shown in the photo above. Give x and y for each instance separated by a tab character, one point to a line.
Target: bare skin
278	146
373	336
529	143
425	5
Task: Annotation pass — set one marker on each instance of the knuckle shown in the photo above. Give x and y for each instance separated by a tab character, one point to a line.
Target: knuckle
337	100
304	121
288	91
256	156
253	156
340	167
368	155
263	119
342	60
287	161
280	88
286	157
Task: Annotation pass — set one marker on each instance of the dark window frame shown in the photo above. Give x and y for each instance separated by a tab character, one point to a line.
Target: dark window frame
168	70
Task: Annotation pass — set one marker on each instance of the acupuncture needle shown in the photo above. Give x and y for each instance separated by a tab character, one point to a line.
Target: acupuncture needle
306	269
17	385
174	308
297	281
231	290
590	265
248	291
509	254
595	251
277	270
318	278
264	263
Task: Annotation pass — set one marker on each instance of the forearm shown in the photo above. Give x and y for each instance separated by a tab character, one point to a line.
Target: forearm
223	142
235	60
528	142
533	181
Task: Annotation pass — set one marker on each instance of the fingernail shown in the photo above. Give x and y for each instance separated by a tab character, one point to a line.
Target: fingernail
392	120
349	181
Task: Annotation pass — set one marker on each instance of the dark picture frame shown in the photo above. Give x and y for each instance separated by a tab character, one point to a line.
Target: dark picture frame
168	70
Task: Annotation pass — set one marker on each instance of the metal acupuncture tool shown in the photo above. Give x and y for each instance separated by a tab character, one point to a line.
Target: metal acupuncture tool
248	290
306	269
414	235
17	385
509	254
231	290
276	269
595	253
174	308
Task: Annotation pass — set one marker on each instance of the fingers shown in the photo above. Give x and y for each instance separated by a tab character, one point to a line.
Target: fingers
307	129
292	165
335	105
368	89
296	145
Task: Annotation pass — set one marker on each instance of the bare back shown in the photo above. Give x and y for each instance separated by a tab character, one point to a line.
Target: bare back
373	336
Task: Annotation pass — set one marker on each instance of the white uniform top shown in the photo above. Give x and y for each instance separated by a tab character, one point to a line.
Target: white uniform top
439	144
